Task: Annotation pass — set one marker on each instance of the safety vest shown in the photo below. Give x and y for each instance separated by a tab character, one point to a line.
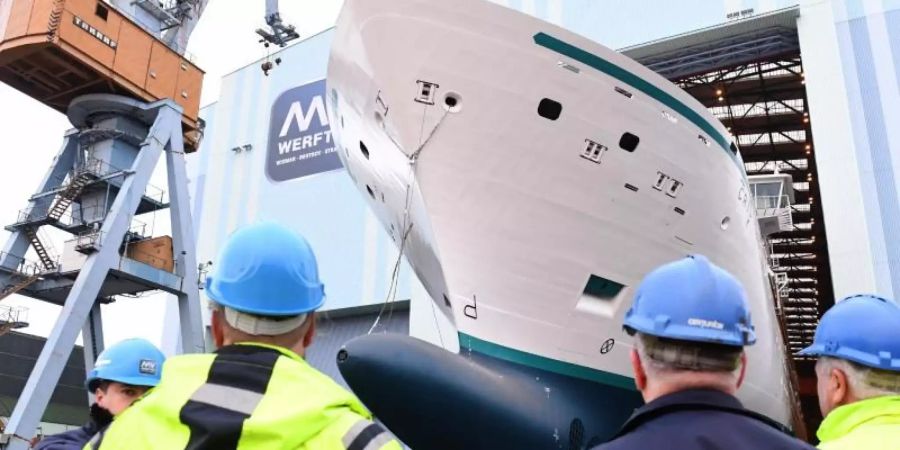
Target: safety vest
872	424
246	396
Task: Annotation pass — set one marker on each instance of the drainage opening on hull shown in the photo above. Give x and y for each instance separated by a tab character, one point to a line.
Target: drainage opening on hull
549	109
624	92
703	139
452	102
568	67
629	142
364	149
371	192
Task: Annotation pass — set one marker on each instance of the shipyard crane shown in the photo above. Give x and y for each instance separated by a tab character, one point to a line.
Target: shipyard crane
278	33
118	69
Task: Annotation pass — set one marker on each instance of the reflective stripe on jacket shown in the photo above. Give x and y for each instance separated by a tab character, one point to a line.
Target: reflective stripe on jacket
872	424
247	396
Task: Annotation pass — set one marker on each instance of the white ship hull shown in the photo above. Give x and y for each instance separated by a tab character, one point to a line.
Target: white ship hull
509	215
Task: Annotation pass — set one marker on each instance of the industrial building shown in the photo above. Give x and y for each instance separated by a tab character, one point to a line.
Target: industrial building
67	409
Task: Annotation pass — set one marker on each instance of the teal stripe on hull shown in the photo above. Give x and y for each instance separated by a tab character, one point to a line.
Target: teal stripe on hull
623	75
539	362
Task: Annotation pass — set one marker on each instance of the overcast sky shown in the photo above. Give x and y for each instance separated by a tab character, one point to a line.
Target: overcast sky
31	134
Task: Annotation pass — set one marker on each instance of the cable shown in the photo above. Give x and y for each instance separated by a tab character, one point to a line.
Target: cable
407	224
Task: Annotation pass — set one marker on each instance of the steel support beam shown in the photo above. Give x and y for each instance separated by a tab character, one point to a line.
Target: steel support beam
92	341
190	316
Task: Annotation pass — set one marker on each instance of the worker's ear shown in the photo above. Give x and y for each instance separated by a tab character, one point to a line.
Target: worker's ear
838	388
310	331
743	370
216	327
100	397
640	375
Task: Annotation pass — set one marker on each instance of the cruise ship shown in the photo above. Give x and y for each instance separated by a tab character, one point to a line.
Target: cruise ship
531	177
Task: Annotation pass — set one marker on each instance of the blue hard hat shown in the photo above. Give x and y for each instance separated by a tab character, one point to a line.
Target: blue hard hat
864	329
133	361
692	299
267	269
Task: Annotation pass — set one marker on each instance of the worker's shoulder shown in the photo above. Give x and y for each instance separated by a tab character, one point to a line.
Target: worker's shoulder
301	386
703	428
870	436
355	431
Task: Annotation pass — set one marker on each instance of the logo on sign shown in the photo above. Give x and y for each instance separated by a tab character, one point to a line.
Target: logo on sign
300	141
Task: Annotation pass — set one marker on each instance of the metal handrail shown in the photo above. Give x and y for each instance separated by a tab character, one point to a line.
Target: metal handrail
13	314
772	202
25	267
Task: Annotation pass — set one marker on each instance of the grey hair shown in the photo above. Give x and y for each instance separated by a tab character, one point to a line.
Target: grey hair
668	355
256	324
866	382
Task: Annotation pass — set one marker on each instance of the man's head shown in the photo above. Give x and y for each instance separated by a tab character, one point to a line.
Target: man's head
265	289
841	382
858	345
123	373
691	321
662	366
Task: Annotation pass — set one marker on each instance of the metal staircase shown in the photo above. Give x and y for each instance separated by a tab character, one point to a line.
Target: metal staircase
71	192
43	253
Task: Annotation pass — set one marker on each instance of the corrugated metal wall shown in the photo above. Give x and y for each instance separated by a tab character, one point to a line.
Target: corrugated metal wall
333	330
18	354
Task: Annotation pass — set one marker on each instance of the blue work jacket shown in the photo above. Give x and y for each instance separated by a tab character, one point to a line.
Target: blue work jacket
701	419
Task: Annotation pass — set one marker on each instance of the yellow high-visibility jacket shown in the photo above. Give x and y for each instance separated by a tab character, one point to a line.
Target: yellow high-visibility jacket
246	396
872	424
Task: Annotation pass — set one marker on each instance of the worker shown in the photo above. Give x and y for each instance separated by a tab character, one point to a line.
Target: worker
121	375
858	371
256	391
690	321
